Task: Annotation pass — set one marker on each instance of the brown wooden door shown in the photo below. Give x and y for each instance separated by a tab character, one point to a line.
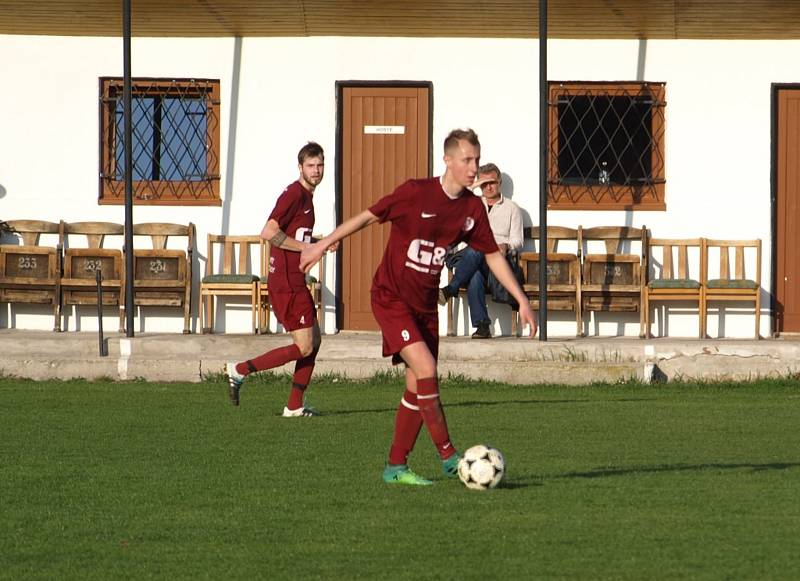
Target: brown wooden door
385	134
787	289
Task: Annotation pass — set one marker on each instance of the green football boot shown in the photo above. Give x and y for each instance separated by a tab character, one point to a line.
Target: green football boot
402	474
450	466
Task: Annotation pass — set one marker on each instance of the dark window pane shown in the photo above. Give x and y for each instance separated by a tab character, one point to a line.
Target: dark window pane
142	110
183	155
169	139
604	139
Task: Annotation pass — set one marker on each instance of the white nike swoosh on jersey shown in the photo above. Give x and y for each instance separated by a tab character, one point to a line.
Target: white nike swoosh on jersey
306	211
426	215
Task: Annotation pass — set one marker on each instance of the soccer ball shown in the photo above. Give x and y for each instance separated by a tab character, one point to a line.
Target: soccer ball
481	467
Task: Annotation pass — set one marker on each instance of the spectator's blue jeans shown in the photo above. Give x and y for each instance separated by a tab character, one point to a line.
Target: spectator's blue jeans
471	272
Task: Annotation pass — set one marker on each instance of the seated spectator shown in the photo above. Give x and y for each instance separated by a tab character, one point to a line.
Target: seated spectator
471	271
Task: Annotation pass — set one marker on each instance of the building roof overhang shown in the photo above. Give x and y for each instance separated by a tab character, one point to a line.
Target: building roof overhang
626	19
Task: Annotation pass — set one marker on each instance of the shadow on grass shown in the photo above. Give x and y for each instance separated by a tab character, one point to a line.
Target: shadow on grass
355	412
610	472
477	403
516	484
448	406
524	481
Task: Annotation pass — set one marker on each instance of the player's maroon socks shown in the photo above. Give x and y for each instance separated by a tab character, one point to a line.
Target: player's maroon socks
301	378
407	425
296	396
304	368
430	408
270	359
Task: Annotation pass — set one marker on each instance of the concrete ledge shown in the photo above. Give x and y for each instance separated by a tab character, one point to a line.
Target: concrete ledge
175	357
545	372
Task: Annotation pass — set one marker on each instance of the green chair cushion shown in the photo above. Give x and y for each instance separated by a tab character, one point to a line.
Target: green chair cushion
230	278
732	283
673	283
309	279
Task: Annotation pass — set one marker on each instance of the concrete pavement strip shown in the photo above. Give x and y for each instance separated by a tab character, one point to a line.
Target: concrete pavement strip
575	361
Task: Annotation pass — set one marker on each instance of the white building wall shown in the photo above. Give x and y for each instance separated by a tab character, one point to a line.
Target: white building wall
717	141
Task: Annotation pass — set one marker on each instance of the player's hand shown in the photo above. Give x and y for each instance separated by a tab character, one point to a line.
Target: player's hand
310	255
333	247
527	315
479	182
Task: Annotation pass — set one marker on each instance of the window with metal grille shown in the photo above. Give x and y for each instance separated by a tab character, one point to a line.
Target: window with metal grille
175	141
606	146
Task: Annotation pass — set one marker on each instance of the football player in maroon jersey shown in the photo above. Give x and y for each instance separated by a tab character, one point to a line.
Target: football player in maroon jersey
288	231
428	216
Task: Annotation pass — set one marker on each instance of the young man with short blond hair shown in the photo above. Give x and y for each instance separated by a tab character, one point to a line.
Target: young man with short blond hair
427	217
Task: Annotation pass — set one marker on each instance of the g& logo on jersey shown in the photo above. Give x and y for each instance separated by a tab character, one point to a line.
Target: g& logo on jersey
425	256
469	224
303	235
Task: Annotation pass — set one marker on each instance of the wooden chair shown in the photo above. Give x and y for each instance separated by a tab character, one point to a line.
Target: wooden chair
316	284
31	273
162	276
232	276
450	308
732	285
78	284
563	273
315	287
264	309
614	280
667	281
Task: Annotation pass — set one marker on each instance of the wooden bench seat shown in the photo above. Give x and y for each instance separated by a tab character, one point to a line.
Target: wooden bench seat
563	273
163	276
614	280
81	262
31	272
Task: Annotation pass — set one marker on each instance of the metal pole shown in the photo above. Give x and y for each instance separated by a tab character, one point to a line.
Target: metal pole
98	277
126	103
543	141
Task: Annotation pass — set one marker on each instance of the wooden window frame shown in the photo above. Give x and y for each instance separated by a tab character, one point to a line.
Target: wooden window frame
588	196
204	192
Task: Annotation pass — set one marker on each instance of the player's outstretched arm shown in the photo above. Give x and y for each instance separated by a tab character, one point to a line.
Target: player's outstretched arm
312	253
498	265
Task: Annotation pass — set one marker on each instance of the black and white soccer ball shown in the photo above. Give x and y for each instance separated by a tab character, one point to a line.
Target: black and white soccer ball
481	467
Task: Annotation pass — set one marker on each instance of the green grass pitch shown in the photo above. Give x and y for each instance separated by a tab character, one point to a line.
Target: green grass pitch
102	480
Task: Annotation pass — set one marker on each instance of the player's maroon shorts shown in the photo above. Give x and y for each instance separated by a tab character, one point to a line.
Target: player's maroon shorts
401	326
294	310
